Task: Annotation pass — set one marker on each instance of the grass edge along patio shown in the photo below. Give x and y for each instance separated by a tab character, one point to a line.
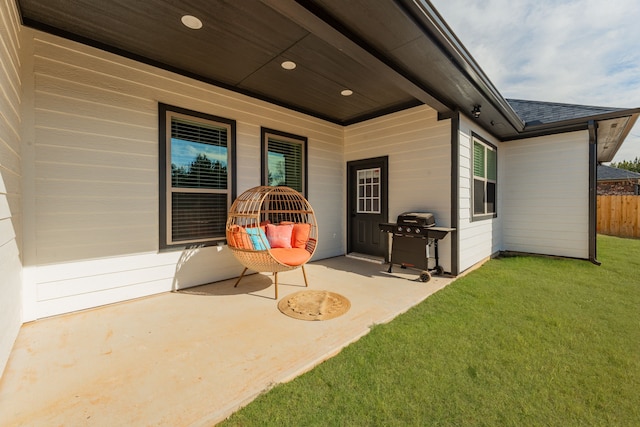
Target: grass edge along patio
523	340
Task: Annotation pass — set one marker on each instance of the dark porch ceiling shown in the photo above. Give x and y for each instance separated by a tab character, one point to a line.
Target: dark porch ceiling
385	54
392	54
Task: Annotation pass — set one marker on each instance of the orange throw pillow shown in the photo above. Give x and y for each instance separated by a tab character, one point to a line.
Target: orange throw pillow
300	235
279	236
238	238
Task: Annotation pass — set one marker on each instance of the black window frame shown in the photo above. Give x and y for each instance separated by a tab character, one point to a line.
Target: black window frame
265	133
485	180
165	111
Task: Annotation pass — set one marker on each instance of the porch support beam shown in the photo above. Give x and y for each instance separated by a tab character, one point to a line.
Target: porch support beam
593	194
455	191
319	22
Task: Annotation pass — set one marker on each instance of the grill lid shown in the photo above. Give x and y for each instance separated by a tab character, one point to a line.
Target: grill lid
421	219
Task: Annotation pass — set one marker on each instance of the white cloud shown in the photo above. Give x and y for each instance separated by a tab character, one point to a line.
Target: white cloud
572	51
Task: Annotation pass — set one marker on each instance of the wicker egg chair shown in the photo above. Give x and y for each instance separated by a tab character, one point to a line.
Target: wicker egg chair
272	229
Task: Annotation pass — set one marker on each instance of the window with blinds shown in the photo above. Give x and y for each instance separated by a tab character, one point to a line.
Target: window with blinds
485	177
284	160
197	176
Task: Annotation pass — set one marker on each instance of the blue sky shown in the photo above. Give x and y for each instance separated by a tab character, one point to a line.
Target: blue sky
572	51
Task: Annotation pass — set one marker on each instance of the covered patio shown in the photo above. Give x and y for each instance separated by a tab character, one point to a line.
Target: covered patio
92	92
192	357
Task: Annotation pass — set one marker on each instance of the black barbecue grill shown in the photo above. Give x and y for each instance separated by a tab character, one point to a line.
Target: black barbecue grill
413	235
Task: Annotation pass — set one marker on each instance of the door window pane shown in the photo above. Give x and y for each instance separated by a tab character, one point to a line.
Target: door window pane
369	191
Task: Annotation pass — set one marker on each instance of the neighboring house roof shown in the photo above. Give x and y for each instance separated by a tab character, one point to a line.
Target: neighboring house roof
608	173
393	55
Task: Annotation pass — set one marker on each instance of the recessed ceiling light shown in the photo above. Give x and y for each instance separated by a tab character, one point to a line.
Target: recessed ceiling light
346	92
288	65
191	22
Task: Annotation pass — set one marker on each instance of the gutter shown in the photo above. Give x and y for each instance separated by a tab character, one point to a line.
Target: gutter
434	26
593	167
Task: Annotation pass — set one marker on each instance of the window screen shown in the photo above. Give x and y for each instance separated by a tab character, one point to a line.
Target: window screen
485	176
197	177
284	160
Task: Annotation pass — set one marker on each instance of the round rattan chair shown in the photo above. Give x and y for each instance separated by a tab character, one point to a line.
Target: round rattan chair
272	229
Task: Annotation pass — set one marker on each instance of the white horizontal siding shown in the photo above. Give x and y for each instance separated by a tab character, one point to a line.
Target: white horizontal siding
419	151
546	195
77	285
477	239
10	177
93	171
542	198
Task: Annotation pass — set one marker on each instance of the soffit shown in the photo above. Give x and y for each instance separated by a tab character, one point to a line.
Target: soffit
393	56
380	53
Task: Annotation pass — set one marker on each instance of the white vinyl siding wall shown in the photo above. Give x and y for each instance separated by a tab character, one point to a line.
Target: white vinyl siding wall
10	176
419	150
546	195
478	239
93	175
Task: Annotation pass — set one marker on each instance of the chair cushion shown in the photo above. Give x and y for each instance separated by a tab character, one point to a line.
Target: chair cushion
279	236
291	256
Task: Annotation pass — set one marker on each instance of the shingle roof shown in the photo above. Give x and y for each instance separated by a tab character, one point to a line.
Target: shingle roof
607	173
539	113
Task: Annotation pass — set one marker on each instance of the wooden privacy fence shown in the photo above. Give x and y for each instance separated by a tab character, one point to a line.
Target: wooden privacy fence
619	216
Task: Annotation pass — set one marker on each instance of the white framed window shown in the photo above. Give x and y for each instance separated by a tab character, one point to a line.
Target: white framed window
197	172
284	160
485	179
368	191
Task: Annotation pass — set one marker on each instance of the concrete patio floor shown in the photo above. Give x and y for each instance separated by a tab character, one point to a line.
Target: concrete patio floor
191	358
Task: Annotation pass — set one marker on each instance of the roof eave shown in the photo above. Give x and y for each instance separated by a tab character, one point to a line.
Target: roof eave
618	143
583	120
574	124
435	26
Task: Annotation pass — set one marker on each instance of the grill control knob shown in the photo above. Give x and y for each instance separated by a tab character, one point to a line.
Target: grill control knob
418	230
400	229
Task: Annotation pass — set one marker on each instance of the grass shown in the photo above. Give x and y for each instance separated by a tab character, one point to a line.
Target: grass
522	341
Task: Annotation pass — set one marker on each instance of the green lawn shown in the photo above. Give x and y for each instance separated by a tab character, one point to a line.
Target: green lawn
522	341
